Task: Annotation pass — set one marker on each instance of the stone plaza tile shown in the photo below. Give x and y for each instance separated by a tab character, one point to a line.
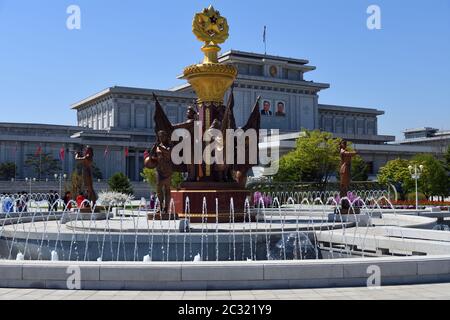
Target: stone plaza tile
218	298
423	292
243	298
101	298
218	293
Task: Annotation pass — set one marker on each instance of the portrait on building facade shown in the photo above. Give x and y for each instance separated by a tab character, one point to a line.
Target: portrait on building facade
267	105
281	112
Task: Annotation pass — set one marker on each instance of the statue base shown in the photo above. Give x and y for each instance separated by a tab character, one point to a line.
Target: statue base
347	211
195	211
89	210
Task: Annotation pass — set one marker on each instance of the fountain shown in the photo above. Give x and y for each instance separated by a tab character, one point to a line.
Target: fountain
208	179
214	229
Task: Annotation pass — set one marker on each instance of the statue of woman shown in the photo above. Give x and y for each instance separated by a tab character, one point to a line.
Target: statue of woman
345	174
87	160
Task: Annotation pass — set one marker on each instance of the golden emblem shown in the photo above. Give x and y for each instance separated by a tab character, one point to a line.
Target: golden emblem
210	27
210	79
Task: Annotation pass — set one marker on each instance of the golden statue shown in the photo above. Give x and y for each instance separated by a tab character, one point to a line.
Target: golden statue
209	26
213	181
210	79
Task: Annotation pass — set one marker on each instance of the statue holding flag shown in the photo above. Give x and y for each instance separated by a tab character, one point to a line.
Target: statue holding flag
87	159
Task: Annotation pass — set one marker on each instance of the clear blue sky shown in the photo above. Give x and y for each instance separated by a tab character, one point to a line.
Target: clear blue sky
403	69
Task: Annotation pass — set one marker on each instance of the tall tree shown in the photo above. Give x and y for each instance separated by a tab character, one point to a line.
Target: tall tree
314	159
447	166
359	169
434	179
7	170
96	172
43	164
447	158
396	172
150	176
76	182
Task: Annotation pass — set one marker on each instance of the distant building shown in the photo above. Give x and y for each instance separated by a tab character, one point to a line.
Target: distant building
428	137
120	118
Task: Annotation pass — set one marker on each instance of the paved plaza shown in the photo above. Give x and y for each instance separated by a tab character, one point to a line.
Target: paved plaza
409	292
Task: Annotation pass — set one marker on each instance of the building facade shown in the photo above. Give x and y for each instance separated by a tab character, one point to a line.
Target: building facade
118	122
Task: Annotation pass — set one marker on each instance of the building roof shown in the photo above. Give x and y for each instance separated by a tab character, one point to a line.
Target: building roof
427	139
257	56
423	129
329	107
132	91
37	126
394	148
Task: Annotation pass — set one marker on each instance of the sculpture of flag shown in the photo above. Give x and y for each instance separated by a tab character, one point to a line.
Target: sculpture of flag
62	154
38	151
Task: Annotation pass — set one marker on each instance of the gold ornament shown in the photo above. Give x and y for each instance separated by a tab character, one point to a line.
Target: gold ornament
210	27
210	79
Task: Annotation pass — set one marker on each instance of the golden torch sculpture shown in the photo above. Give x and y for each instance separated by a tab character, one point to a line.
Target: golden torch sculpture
210	79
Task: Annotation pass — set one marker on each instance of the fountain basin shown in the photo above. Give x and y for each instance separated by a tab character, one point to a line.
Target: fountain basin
225	275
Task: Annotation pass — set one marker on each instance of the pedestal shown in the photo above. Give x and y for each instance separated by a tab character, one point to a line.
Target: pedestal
348	211
223	192
346	208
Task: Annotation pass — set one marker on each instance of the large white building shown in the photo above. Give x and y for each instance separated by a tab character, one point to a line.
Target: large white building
120	118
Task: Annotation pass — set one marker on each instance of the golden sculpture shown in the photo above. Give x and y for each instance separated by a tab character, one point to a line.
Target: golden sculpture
210	79
209	26
216	182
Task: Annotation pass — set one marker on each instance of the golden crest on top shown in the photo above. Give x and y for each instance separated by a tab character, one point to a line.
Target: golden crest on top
210	79
210	27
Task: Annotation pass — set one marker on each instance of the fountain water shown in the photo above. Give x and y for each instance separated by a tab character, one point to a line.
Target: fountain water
282	230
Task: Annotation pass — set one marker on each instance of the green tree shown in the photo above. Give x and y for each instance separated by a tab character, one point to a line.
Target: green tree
76	184
447	159
434	179
396	172
7	171
150	176
96	172
120	183
446	163
44	164
359	169
314	159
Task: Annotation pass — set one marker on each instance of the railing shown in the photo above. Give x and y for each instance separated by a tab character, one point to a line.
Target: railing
313	191
311	186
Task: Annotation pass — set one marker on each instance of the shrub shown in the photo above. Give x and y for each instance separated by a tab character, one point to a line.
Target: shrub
7	170
112	198
120	183
76	183
412	196
150	176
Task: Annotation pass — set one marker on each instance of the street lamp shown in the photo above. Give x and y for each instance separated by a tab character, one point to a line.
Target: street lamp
30	181
416	172
61	177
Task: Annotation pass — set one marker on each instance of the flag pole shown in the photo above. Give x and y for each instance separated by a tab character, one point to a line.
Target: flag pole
40	163
15	163
265	40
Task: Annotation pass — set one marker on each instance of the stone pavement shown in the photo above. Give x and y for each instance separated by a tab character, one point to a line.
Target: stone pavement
407	292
